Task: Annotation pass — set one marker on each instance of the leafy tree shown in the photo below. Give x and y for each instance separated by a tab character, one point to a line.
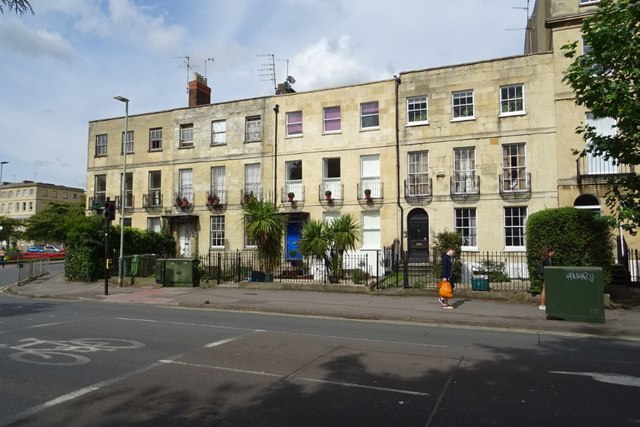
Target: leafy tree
9	229
329	241
19	6
606	80
53	223
265	226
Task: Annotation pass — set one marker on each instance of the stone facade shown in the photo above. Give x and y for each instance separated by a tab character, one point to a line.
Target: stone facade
474	147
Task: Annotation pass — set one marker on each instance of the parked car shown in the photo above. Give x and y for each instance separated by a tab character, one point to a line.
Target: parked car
36	248
53	248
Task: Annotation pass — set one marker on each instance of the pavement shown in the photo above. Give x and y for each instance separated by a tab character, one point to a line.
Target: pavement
471	308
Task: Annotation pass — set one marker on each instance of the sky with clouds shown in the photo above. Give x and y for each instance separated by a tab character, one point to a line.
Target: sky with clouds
61	67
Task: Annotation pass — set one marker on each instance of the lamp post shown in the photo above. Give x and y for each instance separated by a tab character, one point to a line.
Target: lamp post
122	181
2	163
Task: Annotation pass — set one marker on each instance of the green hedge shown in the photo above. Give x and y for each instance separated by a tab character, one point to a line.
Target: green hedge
580	237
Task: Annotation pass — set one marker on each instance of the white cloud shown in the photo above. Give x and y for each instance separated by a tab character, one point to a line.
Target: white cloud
35	43
330	62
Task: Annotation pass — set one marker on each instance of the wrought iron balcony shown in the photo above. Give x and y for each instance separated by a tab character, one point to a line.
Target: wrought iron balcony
464	186
597	170
151	200
515	187
418	192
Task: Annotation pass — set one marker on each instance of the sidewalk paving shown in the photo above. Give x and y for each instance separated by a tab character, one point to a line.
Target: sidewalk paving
470	310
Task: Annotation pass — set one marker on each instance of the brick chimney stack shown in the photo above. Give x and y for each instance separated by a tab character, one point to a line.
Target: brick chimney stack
199	92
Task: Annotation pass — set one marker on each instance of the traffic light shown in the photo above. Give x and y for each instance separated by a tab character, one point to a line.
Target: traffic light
109	210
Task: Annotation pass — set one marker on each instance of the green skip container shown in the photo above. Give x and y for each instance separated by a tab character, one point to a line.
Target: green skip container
575	294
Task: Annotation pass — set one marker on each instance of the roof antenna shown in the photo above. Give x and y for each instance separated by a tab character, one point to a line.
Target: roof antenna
527	29
205	65
186	61
269	69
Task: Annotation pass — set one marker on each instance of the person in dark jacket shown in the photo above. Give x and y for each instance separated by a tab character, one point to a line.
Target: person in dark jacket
447	273
546	260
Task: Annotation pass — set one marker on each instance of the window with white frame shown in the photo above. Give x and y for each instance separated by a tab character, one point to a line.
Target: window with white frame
155	139
598	165
100	189
186	184
129	144
512	100
370	176
186	135
331	178
294	123
217	231
369	115
101	145
371	230
293	183
30	206
514	168
515	221
252	184
418	174
462	105
466	226
218	132
331	119
128	190
417	109
154	196
154	224
583	2
218	183
253	129
464	171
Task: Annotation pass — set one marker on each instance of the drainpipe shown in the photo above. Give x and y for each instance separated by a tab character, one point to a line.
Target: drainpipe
398	81
276	110
405	275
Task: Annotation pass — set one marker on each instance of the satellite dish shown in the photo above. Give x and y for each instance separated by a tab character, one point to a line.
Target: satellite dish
290	79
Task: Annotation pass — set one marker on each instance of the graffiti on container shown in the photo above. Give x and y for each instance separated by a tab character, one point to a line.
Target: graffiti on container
580	275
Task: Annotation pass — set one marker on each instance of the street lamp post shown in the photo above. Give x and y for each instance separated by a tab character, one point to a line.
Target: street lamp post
2	163
122	188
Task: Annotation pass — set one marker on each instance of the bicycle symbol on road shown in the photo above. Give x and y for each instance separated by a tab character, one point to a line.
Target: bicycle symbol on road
64	353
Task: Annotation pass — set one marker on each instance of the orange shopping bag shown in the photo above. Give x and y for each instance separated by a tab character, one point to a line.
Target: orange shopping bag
444	289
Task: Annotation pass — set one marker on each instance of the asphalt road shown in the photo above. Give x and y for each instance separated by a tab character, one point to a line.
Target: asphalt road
85	363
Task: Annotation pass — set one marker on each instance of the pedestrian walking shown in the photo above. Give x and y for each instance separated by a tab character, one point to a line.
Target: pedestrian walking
546	260
3	253
447	274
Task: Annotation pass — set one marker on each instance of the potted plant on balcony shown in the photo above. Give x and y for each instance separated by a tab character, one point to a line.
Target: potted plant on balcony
367	194
213	200
291	195
327	195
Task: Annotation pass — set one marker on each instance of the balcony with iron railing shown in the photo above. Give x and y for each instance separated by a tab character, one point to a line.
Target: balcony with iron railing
464	186
183	201
98	199
418	191
152	199
598	170
250	192
216	198
515	186
331	194
370	193
129	199
292	195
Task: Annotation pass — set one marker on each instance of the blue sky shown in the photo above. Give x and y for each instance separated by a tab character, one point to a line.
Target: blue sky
61	67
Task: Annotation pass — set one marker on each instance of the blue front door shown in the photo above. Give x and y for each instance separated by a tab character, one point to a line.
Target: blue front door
294	234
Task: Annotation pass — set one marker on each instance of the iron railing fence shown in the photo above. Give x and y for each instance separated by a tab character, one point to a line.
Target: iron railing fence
502	271
238	266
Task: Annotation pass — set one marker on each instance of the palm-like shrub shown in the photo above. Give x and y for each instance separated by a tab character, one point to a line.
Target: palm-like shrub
329	241
266	227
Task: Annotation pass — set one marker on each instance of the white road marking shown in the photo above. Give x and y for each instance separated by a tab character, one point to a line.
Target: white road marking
311	380
605	377
217	343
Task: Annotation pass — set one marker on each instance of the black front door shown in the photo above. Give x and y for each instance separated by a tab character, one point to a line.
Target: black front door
418	235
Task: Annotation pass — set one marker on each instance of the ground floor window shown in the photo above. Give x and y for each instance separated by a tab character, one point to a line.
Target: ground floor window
515	219
371	230
154	224
466	226
217	231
